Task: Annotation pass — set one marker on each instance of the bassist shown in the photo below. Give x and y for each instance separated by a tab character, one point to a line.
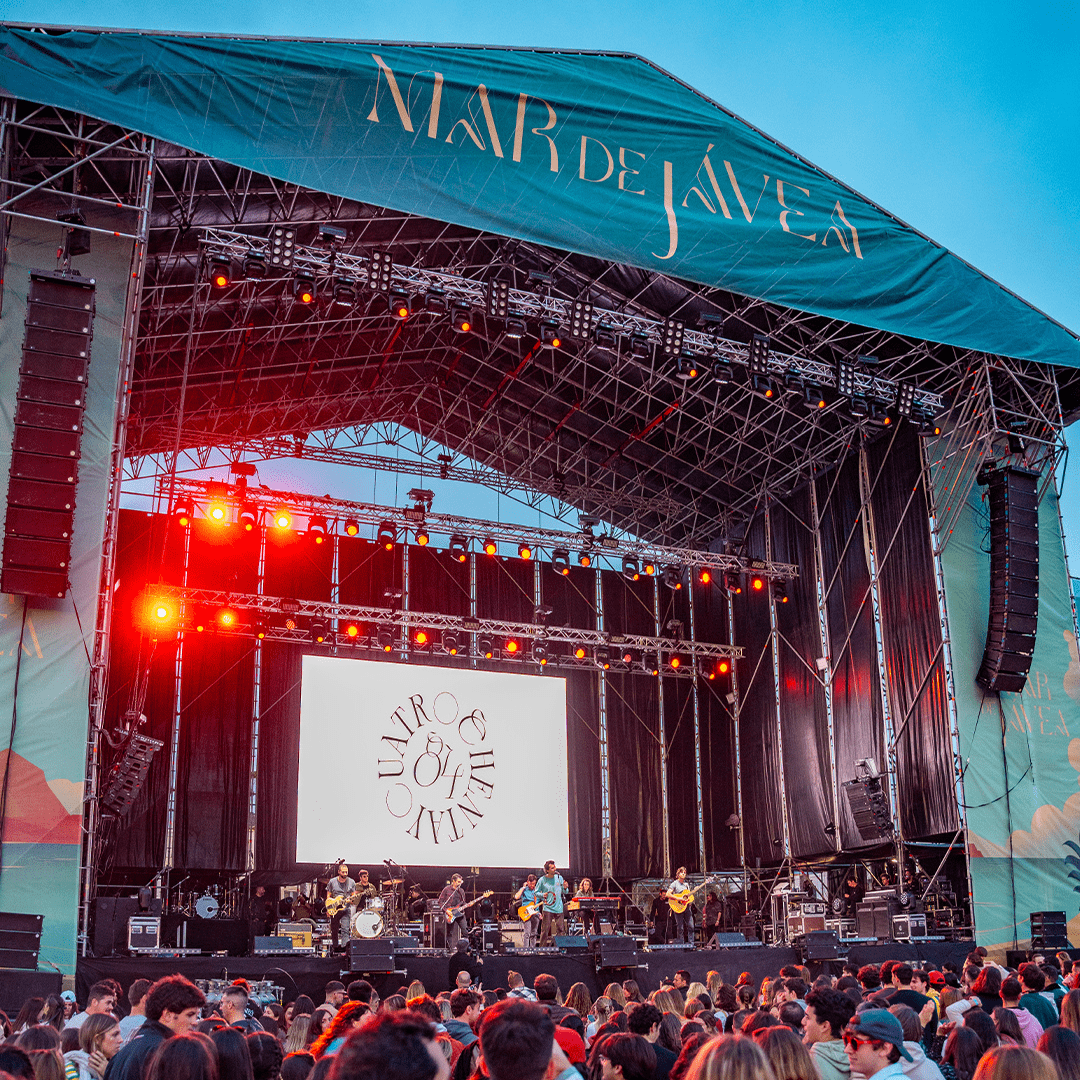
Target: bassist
526	896
453	896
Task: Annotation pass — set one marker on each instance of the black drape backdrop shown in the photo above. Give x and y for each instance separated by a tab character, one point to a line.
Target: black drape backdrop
857	722
758	737
911	629
681	774
804	713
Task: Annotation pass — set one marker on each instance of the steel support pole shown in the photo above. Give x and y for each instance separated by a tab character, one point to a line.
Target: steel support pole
665	832
734	705
606	855
256	718
774	631
697	744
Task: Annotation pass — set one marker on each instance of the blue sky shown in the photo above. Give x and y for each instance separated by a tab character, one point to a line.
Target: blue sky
959	117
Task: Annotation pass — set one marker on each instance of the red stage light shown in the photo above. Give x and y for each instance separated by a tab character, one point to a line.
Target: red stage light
199	627
352	630
422	537
676	662
388	647
227	617
352	527
512	646
525	551
757	584
649	568
627	656
490	547
705	576
221	280
723	667
283	519
585	559
421	637
161	612
217	511
580	652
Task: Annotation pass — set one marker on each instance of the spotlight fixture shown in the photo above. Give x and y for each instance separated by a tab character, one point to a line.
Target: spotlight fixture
421	638
317	528
281	246
581	319
794	383
757	583
723	667
451	642
858	407
161	611
675	662
640	346
879	414
317	631
722	373
490	547
602	656
705	576
651	663
605	337
733	581
585	558
459	547
333	236
845	379
182	513
515	327
486	647
399	304
461	318
422	537
386	537
540	653
549	333
672	338
763	385
649	568
813	396
435	301
220	272
217	511
905	399
385	638
246	517
304	288
630	568
924	423
259	628
687	367
254	266
580	652
560	561
759	353
498	298
226	617
627	656
352	527
672	576
345	292
525	551
512	646
380	271
352	631
779	591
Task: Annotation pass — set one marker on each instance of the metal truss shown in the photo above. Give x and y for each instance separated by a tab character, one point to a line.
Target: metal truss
269	612
265	503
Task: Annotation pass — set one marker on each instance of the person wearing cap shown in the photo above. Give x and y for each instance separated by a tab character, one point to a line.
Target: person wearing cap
70	1004
874	1043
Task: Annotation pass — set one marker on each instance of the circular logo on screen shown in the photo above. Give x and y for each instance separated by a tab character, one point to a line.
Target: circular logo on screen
437	768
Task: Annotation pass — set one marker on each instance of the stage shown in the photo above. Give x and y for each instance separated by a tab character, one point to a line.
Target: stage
309	975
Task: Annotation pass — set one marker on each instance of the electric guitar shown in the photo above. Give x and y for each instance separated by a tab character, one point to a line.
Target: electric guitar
535	906
679	902
455	912
336	903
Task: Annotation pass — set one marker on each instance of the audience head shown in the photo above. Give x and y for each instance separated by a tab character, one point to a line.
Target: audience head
909	1022
233	1056
631	1057
827	1013
730	1057
982	1023
546	987
297	1066
1070	1011
185	1057
516	1040
643	1018
174	1002
393	1046
962	1051
1062	1046
1015	1063
787	1054
100	1032
266	1055
1031	976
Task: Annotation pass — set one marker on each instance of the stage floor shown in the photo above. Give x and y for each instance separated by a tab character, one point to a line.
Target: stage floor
309	975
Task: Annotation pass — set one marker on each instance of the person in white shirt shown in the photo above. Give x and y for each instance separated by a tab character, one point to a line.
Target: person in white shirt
102	1000
682	920
137	1000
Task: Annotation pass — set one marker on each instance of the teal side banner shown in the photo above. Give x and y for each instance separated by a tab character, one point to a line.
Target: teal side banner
603	155
43	767
1021	756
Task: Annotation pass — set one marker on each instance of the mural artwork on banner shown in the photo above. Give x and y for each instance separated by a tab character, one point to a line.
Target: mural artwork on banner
1021	757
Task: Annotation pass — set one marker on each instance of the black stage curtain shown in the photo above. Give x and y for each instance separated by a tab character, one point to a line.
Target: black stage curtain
225	557
718	787
681	774
763	823
629	606
911	630
857	722
216	694
633	716
583	774
142	556
571	597
297	567
505	589
365	569
437	582
804	716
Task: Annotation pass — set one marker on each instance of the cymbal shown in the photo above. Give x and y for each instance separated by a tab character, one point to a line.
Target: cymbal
392	881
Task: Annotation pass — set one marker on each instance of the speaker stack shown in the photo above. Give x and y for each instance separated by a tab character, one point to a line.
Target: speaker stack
1014	578
869	807
50	403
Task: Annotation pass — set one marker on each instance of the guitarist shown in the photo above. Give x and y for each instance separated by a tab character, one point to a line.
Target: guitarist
451	897
531	926
683	921
342	885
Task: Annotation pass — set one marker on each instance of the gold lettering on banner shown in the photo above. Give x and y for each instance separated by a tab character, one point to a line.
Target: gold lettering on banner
489	121
626	169
585	140
673	225
399	101
519	130
706	164
739	195
791	210
838	211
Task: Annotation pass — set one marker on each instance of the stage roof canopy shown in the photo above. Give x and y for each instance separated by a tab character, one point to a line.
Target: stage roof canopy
577	178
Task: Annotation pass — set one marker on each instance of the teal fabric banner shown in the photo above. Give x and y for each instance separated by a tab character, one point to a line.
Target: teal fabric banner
1021	761
603	155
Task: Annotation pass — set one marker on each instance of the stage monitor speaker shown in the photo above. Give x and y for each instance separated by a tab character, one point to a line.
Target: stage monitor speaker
49	407
724	938
821	945
1014	578
869	807
614	951
371	956
571	942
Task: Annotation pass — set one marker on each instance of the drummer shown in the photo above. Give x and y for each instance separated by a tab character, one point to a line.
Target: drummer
364	892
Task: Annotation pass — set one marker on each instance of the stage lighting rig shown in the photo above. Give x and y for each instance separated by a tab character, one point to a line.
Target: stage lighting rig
560	561
352	527
254	266
421	638
650	662
672	576
722	373
226	617
581	319
525	551
845	379
759	354
461	318
399	304
283	518
905	399
217	508
516	327
672	336
317	630
549	333
423	537
351	631
733	581
640	346
512	646
345	292
282	240
259	627
498	298
453	642
380	270
705	576
763	385
605	337
585	557
386	537
757	583
602	656
459	547
247	518
648	568
304	289
630	568
485	647
540	653
435	301
385	638
220	271
317	528
858	407
182	514
580	652
813	396
687	367
779	591
490	547
675	662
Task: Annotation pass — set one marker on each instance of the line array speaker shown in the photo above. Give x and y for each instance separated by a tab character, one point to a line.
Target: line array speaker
49	408
1014	579
869	807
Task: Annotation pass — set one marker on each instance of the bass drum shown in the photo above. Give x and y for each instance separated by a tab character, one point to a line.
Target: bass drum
367	924
207	907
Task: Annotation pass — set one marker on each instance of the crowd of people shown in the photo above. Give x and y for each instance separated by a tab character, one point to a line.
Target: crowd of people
892	1022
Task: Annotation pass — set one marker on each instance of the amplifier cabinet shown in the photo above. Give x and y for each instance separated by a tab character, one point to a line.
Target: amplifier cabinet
144	932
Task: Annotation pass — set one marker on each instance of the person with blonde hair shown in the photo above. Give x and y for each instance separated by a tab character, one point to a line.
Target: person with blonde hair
788	1056
416	989
299	1036
713	981
99	1040
579	999
694	989
663	1000
1070	1011
731	1057
1016	1063
615	993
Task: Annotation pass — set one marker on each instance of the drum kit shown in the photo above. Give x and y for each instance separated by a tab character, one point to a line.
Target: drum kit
264	991
380	914
209	903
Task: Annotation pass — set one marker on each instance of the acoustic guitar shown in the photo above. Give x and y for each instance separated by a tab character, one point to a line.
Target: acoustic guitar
679	902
